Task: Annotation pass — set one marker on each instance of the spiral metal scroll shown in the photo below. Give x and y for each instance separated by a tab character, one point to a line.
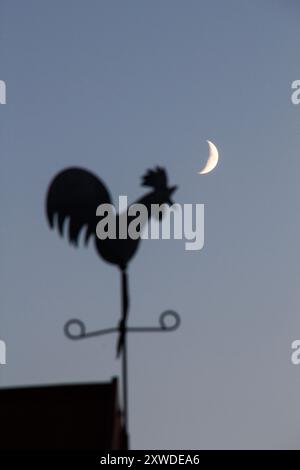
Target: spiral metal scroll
163	326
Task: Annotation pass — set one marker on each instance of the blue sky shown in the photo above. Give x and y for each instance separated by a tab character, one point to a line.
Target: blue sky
119	87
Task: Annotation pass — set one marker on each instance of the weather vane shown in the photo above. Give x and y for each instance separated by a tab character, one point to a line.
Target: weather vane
75	194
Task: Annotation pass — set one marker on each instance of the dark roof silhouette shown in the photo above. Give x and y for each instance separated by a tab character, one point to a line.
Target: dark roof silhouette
61	417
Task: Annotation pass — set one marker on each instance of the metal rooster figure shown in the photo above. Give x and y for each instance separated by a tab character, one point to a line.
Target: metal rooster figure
75	194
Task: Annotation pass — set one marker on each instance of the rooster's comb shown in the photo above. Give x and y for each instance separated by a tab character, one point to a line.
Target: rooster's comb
156	178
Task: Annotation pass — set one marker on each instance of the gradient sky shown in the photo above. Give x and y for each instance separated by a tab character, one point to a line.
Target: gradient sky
120	86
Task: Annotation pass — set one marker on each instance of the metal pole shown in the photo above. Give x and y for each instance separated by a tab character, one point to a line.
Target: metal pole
122	348
125	390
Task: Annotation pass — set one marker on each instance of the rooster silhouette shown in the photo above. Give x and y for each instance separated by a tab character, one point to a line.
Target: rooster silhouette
75	194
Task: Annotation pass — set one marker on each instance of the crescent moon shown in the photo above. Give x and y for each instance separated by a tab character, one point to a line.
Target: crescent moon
212	160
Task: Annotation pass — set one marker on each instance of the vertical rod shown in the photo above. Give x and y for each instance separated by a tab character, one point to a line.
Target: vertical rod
122	349
125	389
